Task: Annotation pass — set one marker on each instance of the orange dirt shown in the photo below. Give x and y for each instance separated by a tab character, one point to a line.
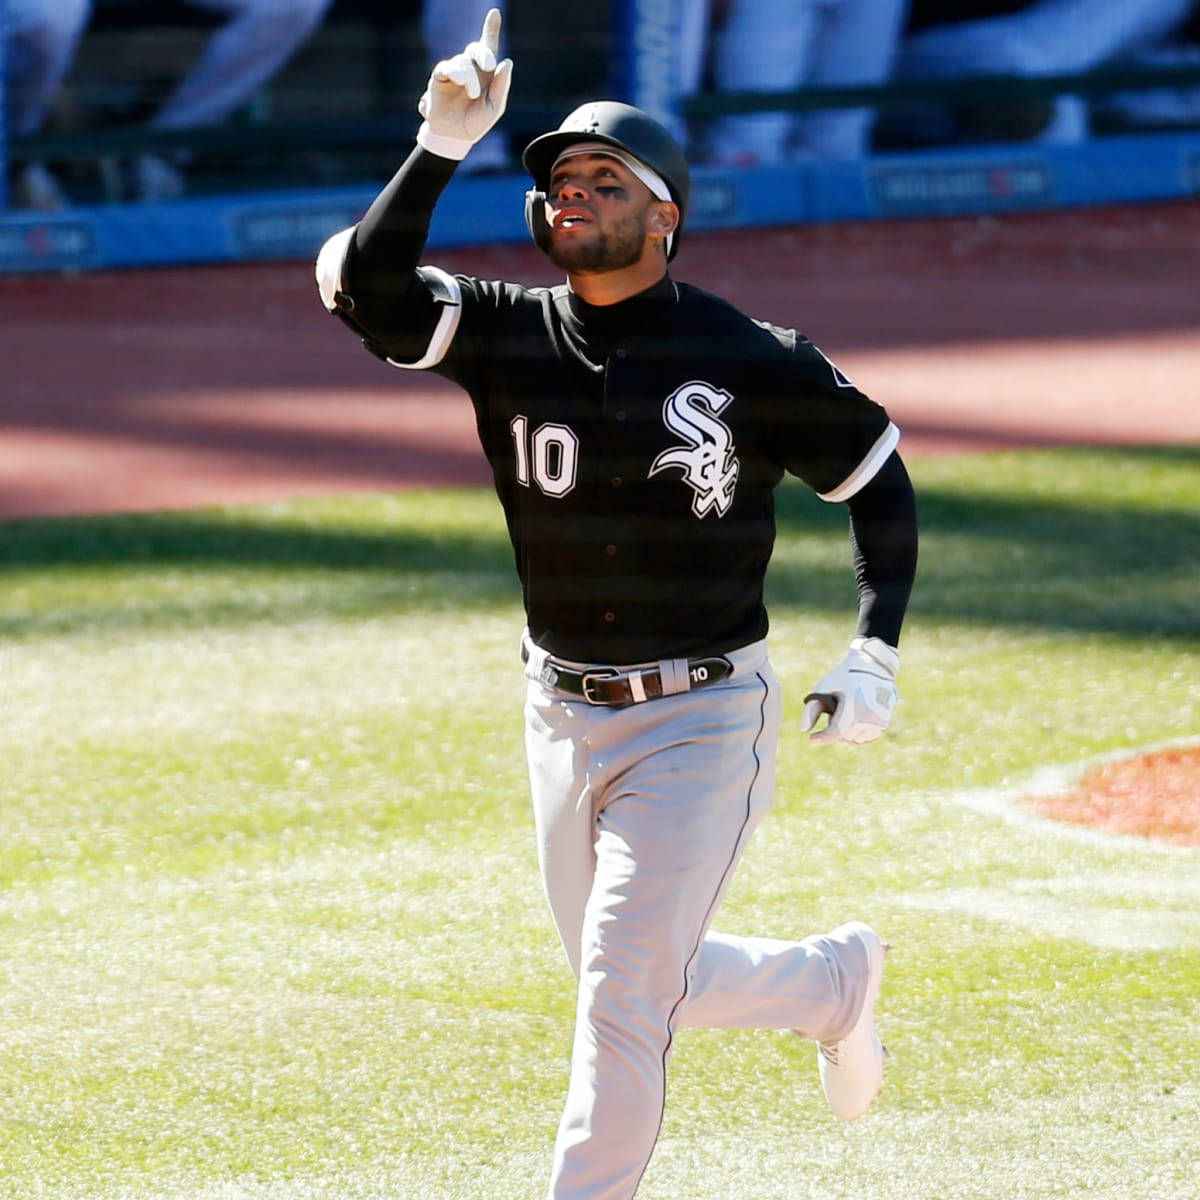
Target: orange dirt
1148	795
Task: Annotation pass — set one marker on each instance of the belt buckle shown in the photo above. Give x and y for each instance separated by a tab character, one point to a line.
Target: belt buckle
589	677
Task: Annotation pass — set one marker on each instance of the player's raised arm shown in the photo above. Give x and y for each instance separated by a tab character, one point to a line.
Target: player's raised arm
464	98
367	274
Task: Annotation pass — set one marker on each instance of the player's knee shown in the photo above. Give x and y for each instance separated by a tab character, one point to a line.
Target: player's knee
635	1024
633	998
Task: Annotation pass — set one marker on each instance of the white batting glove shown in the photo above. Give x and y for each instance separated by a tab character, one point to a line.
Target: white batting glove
858	694
465	95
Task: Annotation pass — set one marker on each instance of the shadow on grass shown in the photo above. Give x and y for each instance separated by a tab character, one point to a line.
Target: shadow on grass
158	571
236	538
1049	561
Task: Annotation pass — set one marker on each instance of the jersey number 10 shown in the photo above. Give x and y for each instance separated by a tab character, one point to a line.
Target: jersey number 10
553	454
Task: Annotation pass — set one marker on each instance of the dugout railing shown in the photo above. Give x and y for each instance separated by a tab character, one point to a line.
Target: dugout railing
623	49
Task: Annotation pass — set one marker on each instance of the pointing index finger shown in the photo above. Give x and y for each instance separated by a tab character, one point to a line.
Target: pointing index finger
490	36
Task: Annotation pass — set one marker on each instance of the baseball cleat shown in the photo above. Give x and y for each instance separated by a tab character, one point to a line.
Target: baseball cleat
851	1069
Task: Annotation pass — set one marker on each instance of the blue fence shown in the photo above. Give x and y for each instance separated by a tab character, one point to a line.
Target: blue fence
475	211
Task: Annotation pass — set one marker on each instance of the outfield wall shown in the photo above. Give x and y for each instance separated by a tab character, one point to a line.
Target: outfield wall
293	224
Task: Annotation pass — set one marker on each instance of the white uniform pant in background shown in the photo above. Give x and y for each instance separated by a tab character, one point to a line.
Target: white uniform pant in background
1047	38
42	37
784	45
642	814
243	54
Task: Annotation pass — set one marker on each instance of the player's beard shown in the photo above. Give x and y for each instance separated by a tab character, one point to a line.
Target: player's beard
621	247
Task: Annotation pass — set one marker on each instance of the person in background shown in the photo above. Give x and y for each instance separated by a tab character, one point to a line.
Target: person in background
41	39
241	55
769	46
1151	108
1027	37
250	48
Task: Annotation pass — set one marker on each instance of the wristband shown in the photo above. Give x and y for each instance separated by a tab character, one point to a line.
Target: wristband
455	149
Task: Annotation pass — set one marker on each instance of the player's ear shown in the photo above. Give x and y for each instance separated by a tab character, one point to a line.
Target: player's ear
664	218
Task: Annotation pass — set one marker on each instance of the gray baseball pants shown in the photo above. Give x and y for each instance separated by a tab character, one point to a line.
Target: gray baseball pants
642	814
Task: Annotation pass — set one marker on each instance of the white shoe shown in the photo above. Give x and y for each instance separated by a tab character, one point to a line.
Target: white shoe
852	1069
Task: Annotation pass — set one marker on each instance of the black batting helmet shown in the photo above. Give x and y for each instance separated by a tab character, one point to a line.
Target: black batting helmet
623	127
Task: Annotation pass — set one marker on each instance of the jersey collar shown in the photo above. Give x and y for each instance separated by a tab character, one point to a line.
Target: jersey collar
628	315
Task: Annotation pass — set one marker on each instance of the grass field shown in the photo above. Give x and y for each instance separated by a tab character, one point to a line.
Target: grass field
270	926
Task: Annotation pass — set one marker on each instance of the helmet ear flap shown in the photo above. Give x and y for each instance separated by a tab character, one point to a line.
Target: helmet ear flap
535	219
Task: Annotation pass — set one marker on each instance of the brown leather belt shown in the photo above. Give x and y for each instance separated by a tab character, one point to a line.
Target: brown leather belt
619	687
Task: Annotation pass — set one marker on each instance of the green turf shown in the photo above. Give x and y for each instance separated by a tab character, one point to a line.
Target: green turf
270	926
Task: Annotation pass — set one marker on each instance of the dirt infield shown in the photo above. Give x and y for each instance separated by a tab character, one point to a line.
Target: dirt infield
1148	795
175	388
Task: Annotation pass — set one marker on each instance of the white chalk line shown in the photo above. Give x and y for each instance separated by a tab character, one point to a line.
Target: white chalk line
1141	907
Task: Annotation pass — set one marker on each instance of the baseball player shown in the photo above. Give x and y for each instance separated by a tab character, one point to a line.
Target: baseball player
637	427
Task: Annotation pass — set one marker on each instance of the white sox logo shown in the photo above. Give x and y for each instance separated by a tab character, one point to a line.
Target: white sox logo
709	467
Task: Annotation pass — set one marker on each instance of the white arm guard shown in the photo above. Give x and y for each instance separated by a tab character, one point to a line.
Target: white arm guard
329	267
858	694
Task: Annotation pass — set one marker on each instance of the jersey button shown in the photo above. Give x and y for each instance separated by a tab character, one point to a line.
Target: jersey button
620	414
610	617
616	481
610	550
620	352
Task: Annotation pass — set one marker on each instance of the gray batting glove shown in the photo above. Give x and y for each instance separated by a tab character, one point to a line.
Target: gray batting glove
859	695
465	95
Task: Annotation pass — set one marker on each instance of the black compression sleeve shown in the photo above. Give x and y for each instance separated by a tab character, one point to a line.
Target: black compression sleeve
391	236
883	538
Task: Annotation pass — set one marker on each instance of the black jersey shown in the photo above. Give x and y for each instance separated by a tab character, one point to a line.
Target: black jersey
635	447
